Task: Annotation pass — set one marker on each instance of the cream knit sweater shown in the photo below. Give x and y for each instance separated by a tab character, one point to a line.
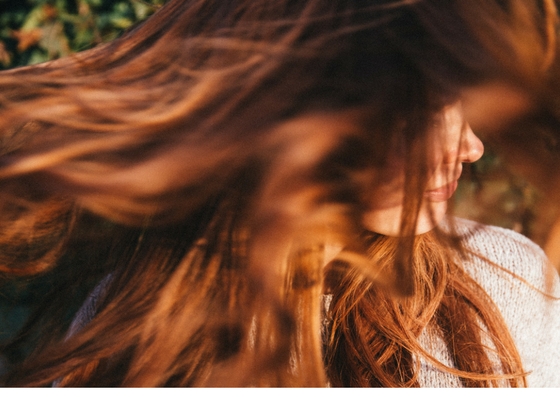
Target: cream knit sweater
533	318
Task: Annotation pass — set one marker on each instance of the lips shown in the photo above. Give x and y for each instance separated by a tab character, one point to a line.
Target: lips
443	193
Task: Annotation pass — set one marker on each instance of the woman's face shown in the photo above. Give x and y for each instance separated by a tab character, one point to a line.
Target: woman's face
452	143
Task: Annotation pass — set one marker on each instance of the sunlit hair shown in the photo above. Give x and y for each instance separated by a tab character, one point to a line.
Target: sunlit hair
372	339
203	161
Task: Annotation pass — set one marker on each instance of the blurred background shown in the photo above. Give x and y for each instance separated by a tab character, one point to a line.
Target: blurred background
34	31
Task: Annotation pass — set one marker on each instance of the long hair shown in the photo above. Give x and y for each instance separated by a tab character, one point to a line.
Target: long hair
204	158
373	339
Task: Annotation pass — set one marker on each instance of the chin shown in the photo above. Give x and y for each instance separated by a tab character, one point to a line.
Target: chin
430	217
387	221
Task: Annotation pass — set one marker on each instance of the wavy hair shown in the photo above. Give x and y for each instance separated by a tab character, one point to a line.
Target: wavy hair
372	339
204	159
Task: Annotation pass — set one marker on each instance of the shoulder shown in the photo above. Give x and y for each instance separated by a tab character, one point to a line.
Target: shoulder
494	239
504	249
517	276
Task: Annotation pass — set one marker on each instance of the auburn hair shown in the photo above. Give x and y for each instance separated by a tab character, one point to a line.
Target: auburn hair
372	337
201	162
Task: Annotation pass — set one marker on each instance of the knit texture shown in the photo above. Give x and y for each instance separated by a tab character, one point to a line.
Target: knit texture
532	317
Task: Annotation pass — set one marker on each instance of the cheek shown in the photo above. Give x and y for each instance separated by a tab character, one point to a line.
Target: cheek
442	159
434	162
437	150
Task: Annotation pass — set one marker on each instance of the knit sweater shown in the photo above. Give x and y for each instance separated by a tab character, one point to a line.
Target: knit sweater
532	318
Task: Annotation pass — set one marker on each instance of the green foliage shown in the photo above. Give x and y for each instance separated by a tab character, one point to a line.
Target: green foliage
489	193
34	31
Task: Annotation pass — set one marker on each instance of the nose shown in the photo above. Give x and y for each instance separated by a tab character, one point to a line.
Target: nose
471	147
460	144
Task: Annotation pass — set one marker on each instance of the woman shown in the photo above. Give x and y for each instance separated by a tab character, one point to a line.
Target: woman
200	164
487	317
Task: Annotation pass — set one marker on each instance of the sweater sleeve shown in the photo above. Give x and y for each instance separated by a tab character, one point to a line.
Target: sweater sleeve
525	287
89	308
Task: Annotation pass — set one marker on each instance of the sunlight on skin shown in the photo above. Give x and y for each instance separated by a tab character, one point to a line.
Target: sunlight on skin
454	143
